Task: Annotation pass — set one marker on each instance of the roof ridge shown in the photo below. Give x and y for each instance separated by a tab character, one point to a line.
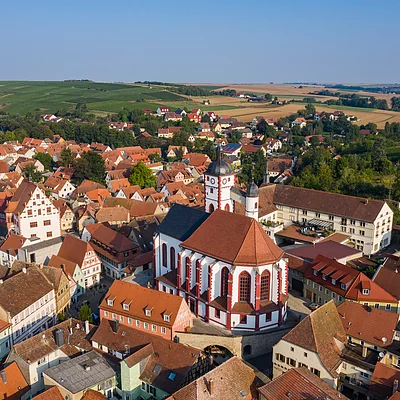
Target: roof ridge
241	245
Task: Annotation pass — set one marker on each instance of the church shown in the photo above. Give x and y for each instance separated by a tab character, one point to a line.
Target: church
228	269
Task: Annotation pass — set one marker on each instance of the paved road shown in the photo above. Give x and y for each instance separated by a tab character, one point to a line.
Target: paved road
298	304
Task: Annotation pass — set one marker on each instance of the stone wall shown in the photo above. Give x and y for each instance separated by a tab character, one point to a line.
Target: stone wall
260	343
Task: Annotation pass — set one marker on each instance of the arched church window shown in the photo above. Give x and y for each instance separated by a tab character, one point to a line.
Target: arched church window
244	286
264	286
164	255
211	208
172	258
224	281
227	208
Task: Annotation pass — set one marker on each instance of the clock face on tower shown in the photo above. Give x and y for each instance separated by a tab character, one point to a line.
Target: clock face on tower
224	181
212	181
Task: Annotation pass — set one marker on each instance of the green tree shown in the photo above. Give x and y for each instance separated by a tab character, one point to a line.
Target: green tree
85	313
206	118
155	157
46	159
268	97
90	166
66	158
310	110
142	176
32	174
260	162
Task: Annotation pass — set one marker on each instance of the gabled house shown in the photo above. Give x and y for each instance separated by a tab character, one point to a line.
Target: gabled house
233	380
150	366
88	371
13	385
162	110
113	249
300	121
299	384
75	276
316	343
82	253
48	348
159	313
172	151
327	279
31	214
67	216
27	302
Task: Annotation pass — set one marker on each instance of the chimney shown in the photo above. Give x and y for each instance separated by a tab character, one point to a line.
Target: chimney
4	377
395	386
62	266
1	281
87	329
59	337
364	351
211	386
115	325
24	270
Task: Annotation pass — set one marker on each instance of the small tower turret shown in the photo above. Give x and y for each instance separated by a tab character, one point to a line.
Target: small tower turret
252	201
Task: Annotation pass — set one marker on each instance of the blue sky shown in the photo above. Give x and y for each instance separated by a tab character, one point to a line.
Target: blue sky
353	41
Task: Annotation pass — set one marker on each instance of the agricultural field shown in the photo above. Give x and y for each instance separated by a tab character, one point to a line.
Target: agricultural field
23	97
103	98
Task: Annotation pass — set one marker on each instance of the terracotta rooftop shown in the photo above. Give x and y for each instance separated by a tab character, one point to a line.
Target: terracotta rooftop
74	249
302	384
170	356
330	203
368	324
328	249
93	395
36	347
23	289
58	262
15	386
136	208
111	214
318	333
234	238
138	299
382	381
233	380
110	238
50	394
323	270
12	244
388	276
21	197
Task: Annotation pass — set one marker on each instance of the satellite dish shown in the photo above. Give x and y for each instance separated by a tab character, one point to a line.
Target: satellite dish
384	340
381	354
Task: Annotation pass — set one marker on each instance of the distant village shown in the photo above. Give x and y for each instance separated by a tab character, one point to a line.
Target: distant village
199	286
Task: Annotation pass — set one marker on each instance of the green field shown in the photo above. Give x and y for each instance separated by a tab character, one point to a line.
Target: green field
21	97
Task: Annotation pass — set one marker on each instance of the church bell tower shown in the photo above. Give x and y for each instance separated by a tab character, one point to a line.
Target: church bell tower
218	182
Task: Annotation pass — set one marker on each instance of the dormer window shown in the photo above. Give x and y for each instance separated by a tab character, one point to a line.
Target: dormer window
315	272
324	277
166	318
148	312
365	292
110	301
343	286
333	281
125	307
